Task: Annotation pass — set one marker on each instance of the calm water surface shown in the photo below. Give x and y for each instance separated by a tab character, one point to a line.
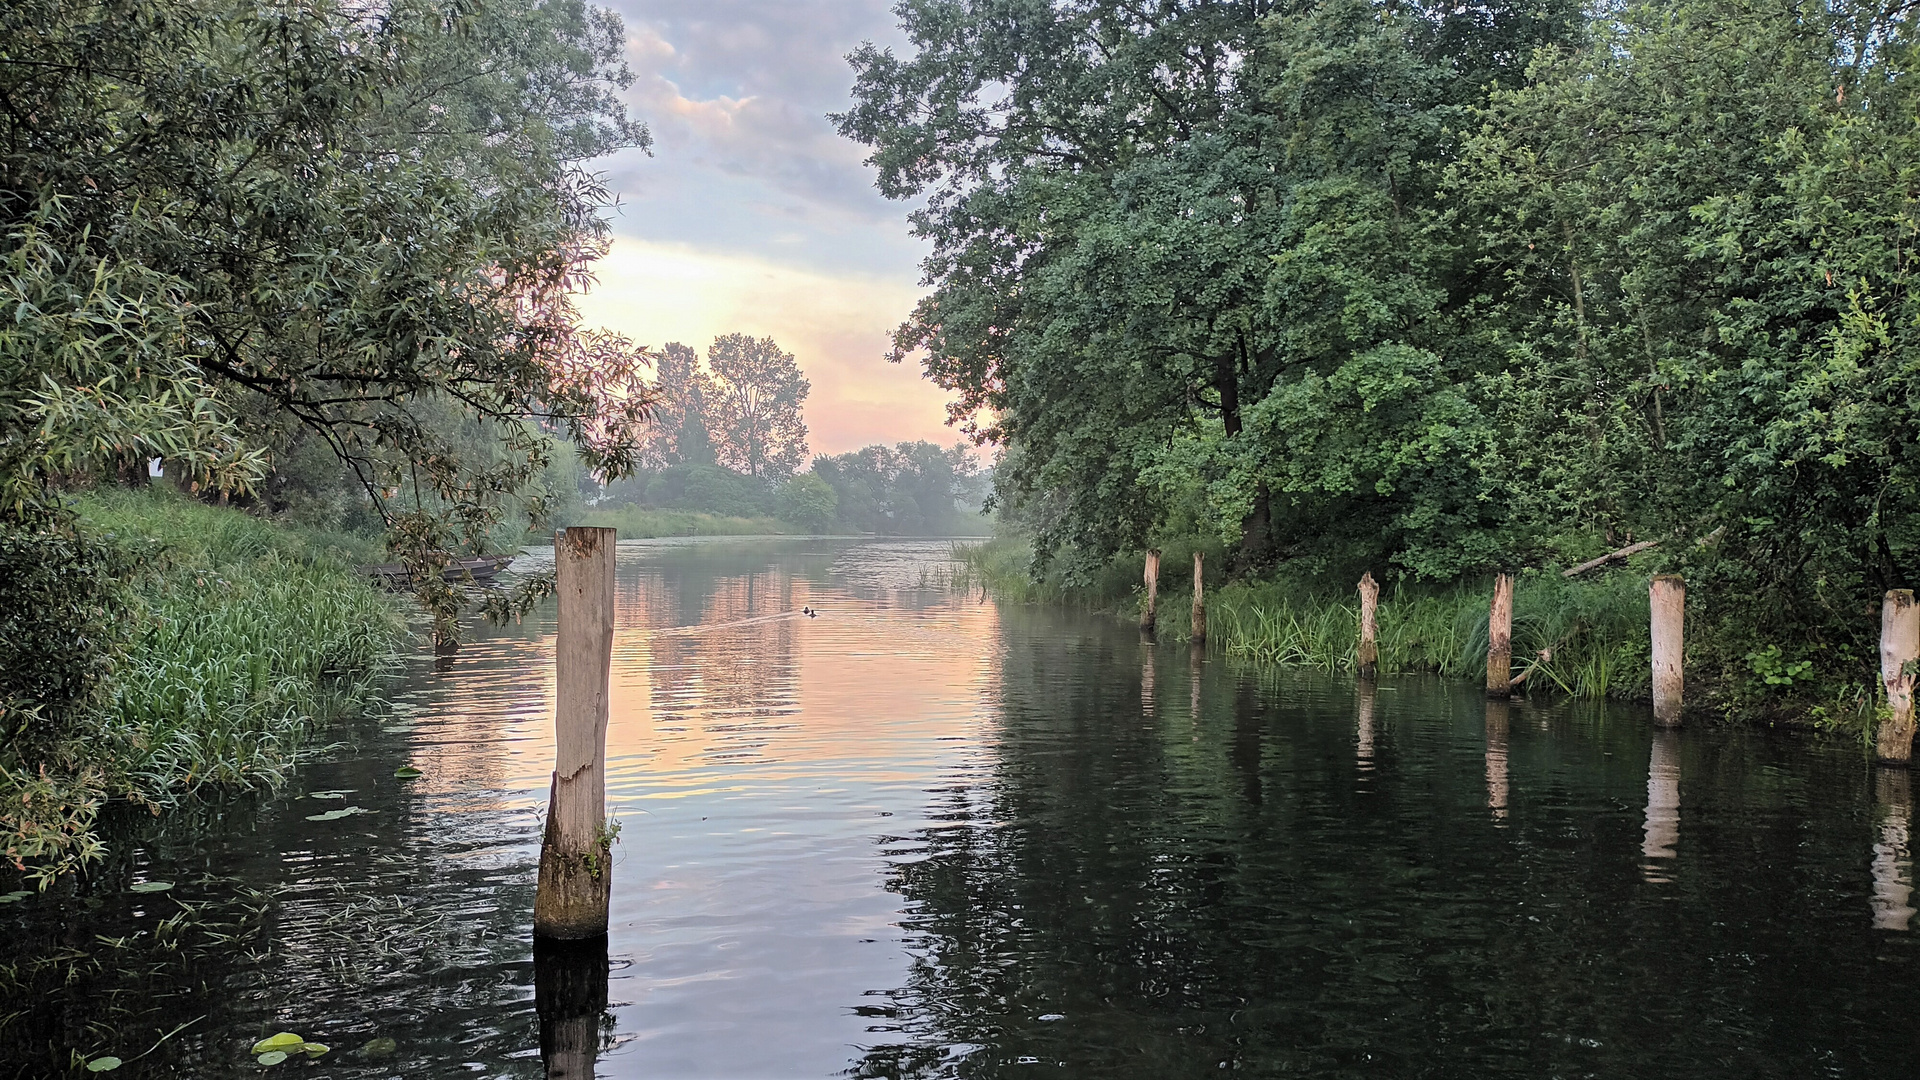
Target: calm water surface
925	835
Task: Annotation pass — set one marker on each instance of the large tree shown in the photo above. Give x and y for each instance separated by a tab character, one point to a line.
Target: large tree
755	410
225	222
1148	218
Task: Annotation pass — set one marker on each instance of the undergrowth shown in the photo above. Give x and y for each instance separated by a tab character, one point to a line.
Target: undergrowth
239	639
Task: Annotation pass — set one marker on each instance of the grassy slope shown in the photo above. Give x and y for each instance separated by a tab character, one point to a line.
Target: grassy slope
242	638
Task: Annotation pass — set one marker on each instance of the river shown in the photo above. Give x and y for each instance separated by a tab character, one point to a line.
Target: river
924	834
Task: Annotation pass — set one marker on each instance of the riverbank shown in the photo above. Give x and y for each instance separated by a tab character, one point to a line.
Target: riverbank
646	523
234	641
1592	630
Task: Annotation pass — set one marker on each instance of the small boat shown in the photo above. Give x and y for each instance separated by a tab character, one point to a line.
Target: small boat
473	570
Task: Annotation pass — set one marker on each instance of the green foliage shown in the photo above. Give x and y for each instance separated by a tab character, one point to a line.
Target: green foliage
238	639
809	503
1360	285
910	489
59	631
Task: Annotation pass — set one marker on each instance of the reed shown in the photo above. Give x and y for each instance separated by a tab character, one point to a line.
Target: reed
242	639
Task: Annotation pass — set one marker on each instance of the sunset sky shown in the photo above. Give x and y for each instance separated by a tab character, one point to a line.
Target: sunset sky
752	215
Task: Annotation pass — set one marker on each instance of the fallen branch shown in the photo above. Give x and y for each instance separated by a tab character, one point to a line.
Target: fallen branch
1629	550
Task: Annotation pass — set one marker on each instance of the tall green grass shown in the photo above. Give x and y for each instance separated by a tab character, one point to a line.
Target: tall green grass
1594	631
242	639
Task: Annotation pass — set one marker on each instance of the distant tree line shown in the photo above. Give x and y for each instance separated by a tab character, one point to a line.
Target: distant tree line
1432	289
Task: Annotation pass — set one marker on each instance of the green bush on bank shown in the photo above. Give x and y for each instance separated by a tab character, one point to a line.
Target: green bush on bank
235	640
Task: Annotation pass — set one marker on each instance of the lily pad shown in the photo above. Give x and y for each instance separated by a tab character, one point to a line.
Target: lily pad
272	1057
384	1046
103	1064
313	1049
407	772
286	1040
341	794
15	896
150	886
335	815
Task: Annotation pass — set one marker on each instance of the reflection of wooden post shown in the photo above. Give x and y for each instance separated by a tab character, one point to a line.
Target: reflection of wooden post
1663	803
570	994
1363	725
575	871
1667	602
1893	854
1199	604
1153	587
1369	603
1899	648
1497	722
1500	638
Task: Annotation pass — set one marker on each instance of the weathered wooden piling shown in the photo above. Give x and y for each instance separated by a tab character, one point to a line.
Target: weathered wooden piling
1199	603
1369	654
1500	638
575	854
1153	587
1667	603
1899	653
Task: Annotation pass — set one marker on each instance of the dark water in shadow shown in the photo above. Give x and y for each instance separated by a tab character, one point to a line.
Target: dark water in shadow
922	835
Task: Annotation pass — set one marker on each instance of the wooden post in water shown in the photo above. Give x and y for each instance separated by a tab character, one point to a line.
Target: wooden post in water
1500	638
1153	587
1369	605
575	854
1667	601
1899	649
1199	604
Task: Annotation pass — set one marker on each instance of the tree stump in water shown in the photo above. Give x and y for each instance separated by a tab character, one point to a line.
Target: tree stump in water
1153	587
1500	638
576	871
1199	603
1667	603
1369	653
1899	650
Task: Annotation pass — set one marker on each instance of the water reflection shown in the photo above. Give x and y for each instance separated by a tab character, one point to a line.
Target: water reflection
570	996
1363	725
1663	806
1893	853
922	836
1497	718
